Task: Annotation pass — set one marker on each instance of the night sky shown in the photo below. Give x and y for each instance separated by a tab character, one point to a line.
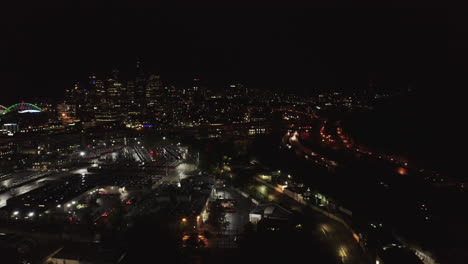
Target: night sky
43	51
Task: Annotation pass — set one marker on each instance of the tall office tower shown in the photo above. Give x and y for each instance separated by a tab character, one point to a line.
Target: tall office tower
140	86
101	93
236	91
130	93
72	101
132	110
118	99
70	97
92	84
79	96
196	85
114	89
153	90
94	98
123	95
99	97
198	90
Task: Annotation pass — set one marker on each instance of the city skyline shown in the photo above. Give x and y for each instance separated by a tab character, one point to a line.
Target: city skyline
291	53
137	135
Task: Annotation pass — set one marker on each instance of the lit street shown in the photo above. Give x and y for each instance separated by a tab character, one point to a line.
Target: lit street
337	238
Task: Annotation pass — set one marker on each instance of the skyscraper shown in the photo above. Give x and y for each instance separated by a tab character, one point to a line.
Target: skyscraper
153	90
113	89
140	86
130	93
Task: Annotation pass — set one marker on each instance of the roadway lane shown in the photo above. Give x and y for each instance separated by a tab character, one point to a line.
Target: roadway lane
307	152
334	235
366	165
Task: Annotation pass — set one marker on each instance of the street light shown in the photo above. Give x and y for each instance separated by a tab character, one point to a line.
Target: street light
82	153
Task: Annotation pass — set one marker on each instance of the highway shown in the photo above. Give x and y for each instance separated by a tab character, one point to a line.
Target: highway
332	234
292	139
365	175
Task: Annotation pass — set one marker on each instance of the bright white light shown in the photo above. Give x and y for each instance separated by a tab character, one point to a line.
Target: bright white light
15	213
82	153
31	214
28	111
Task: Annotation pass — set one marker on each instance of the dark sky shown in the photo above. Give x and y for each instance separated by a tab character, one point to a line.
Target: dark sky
43	51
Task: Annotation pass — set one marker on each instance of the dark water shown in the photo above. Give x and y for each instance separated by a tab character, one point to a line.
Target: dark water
425	129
